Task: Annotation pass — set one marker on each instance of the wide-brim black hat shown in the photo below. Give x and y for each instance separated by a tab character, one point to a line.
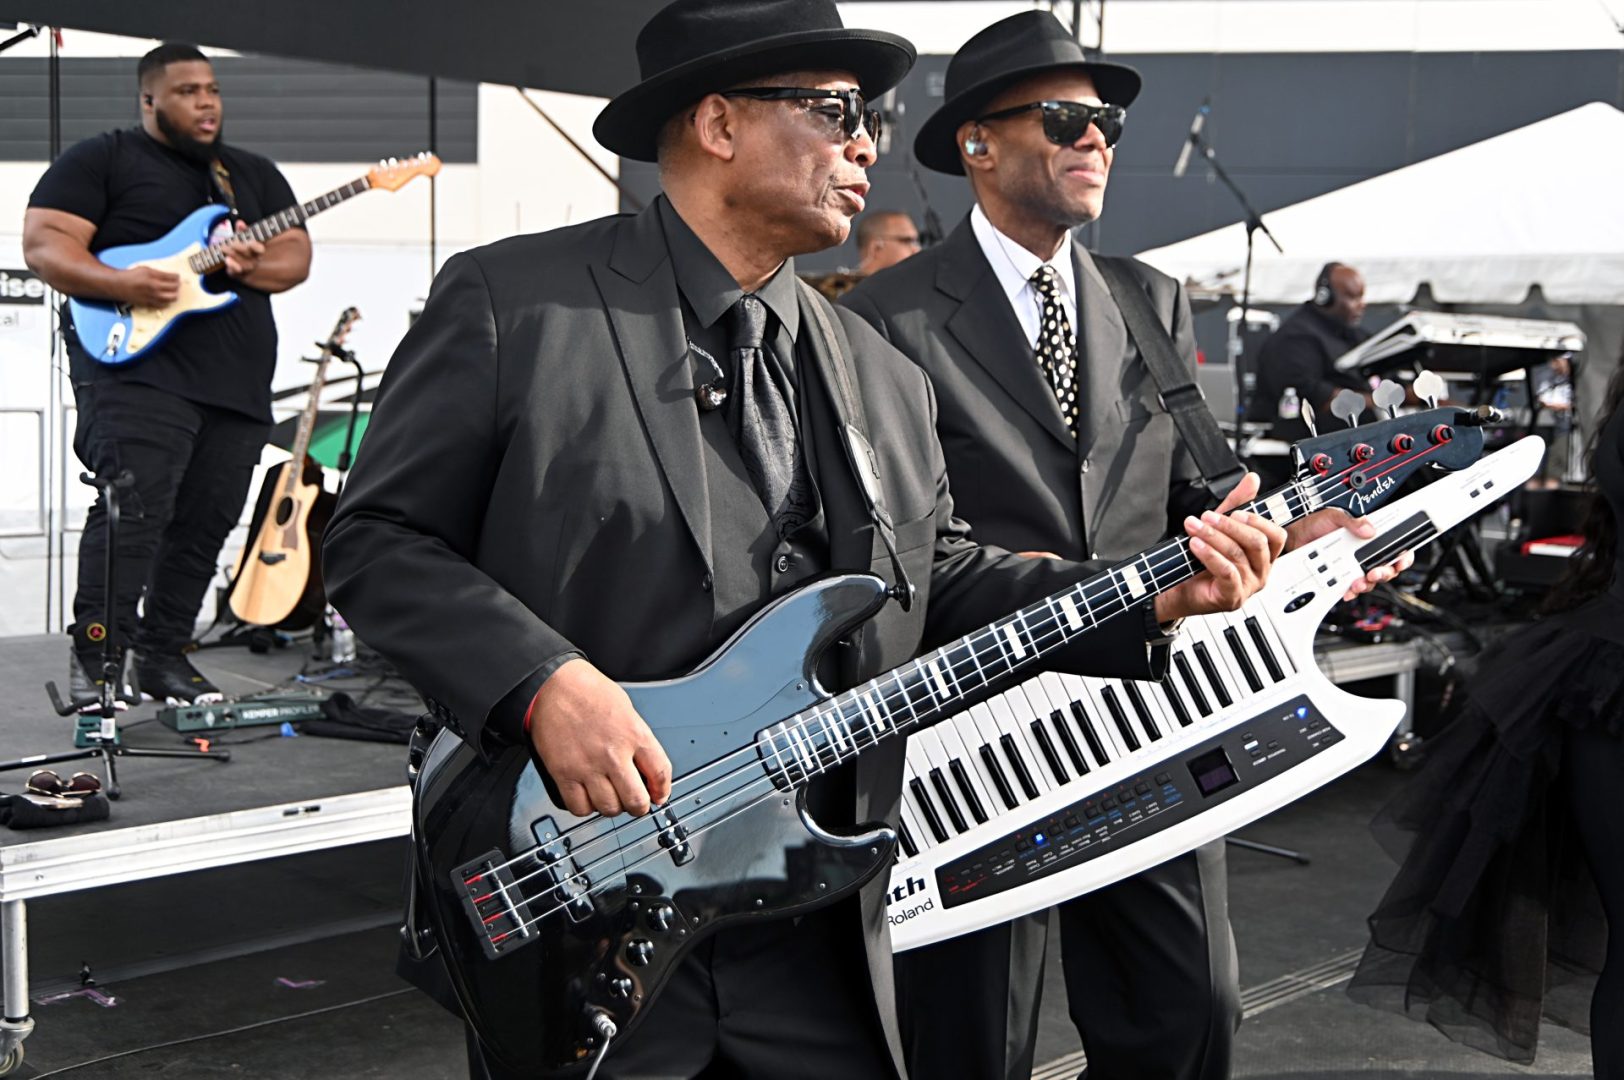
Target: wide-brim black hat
1012	49
696	47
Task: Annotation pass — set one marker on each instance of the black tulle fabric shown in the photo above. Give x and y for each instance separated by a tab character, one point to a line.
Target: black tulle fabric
1493	920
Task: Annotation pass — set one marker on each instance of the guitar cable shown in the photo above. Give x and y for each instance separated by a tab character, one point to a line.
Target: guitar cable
607	1029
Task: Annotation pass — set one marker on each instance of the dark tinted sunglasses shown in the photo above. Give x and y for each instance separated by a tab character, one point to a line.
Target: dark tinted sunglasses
853	109
1064	122
48	782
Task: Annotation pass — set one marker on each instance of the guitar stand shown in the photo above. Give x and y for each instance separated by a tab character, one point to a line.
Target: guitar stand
104	741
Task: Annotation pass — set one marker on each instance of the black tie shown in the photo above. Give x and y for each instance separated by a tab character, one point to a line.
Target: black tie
768	440
1056	348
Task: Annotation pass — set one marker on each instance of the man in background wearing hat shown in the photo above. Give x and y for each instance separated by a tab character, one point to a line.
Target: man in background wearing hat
548	469
1056	441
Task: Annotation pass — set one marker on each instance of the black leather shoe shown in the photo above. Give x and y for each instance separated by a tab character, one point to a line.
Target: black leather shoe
83	685
173	680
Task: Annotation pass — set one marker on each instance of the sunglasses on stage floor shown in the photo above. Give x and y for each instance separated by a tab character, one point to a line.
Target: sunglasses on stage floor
47	782
1064	122
854	111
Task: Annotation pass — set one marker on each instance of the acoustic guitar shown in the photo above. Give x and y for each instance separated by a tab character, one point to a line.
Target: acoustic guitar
277	581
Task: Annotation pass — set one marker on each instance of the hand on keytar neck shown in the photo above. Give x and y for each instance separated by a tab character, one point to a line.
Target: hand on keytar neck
1236	547
1324	522
599	752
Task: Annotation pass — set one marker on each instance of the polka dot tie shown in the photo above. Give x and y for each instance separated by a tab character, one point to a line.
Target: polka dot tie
1056	348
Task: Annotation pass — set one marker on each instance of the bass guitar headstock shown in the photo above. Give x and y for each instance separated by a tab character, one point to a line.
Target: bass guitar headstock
392	174
341	331
1360	467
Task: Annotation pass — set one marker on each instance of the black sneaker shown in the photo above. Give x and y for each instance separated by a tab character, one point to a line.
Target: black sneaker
85	687
173	680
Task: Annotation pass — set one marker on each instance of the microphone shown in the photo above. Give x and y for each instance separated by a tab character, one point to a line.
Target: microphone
1195	134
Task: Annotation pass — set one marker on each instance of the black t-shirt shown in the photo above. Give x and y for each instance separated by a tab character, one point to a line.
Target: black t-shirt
135	189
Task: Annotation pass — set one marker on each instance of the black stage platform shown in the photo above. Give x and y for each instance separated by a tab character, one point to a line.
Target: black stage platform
282	969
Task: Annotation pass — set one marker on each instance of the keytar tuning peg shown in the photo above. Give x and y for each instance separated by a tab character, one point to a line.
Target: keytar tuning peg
1429	386
1307	413
1347	405
1389	395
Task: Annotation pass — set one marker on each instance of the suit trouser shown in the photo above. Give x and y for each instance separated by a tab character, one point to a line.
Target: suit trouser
192	465
786	1000
1152	984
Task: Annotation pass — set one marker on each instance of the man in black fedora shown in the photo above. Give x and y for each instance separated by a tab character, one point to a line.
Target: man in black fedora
601	449
1057	440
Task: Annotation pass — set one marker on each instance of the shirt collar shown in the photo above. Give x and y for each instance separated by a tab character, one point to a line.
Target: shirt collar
1015	265
707	286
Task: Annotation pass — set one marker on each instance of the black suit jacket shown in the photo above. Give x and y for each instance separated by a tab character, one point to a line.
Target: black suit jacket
1019	477
531	485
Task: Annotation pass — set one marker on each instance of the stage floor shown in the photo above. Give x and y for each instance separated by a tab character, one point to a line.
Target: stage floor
288	964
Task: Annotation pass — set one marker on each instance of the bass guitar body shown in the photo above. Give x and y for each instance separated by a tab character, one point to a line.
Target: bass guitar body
118	333
547	919
278	579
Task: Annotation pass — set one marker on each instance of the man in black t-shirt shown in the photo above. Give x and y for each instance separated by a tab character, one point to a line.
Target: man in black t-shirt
1302	353
189	418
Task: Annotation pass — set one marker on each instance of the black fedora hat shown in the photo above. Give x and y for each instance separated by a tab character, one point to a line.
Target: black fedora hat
691	48
1003	54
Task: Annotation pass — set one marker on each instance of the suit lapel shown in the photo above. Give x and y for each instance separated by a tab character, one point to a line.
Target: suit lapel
1103	344
986	327
640	296
851	533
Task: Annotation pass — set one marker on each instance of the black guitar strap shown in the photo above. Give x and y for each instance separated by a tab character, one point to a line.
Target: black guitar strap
859	451
1180	394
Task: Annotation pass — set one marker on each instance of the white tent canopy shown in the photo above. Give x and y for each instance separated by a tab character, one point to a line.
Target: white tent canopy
1538	205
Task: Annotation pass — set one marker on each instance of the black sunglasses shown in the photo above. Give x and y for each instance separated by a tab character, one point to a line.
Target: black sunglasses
854	111
1064	122
49	782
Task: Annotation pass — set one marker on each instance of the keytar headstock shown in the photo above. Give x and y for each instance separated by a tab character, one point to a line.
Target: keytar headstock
1359	468
392	174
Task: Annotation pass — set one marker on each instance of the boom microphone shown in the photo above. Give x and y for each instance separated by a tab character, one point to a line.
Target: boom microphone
1195	135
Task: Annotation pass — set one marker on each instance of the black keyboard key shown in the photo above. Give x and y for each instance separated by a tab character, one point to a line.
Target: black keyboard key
1137	699
1248	669
1187	673
1091	737
1129	739
1176	702
971	799
909	848
933	820
1046	745
1263	650
1022	774
950	804
1073	751
999	780
1207	665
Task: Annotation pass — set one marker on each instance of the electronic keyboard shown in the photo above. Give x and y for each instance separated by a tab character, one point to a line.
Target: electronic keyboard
1063	785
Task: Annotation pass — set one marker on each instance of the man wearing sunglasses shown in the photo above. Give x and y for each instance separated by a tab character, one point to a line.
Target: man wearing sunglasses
1056	441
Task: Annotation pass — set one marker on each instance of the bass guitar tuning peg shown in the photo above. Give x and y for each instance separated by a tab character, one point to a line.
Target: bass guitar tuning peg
1347	405
1389	395
1307	414
1429	387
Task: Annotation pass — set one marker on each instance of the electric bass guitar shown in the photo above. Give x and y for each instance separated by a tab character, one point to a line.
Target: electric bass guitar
559	931
277	581
116	333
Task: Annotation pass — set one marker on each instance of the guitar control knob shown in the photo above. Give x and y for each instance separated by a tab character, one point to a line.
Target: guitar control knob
1363	452
1403	444
620	988
639	951
662	916
1442	433
1320	463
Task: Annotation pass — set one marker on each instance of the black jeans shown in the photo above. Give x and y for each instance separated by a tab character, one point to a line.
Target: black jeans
192	465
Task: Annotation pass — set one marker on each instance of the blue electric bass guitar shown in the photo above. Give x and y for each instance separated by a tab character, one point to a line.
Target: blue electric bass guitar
120	333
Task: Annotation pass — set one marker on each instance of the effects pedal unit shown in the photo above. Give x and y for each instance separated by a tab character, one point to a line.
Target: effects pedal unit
225	715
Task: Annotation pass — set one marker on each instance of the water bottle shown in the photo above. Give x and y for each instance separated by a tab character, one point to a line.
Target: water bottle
341	639
1291	407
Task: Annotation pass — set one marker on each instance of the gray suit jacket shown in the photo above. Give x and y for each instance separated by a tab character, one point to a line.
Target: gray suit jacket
1018	476
531	485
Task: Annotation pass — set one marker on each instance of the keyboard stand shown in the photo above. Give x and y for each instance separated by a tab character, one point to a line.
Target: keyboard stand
1268	849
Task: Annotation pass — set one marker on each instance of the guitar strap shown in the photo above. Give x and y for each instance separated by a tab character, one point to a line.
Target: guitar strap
222	184
1179	392
859	451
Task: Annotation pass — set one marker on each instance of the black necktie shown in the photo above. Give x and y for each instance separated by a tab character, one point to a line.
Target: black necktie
1056	348
768	439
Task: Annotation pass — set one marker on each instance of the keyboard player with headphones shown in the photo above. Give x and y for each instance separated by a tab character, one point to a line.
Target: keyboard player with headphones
1302	353
1090	443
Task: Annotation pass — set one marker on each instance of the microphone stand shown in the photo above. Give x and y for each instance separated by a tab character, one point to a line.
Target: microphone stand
1254	223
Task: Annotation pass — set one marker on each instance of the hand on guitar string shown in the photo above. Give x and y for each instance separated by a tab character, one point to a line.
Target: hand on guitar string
1323	522
599	752
242	255
145	287
1237	550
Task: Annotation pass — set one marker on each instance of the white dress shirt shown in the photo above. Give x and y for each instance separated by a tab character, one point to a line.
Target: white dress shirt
1015	266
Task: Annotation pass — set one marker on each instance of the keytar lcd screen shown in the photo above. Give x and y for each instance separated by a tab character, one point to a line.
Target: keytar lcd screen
1213	772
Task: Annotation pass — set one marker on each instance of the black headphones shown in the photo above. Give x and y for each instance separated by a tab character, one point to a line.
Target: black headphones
1324	294
147	98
